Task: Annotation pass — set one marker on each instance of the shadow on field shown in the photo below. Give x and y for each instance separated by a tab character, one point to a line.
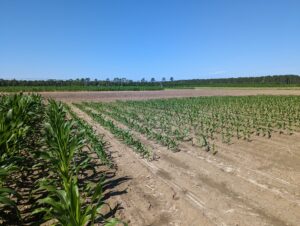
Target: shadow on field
97	172
26	181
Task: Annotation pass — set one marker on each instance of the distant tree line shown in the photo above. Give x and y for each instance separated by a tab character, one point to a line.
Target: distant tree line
274	80
171	82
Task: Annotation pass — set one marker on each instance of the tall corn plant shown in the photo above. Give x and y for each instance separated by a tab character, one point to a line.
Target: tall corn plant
67	206
17	116
64	202
63	141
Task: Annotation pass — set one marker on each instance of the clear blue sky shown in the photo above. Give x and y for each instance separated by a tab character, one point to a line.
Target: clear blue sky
45	39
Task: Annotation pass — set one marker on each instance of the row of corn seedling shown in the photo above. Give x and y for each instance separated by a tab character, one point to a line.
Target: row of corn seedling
124	135
68	202
206	121
128	120
96	142
24	128
20	117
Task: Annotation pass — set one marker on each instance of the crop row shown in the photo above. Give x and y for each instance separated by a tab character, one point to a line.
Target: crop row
206	121
127	119
97	143
125	135
20	118
40	139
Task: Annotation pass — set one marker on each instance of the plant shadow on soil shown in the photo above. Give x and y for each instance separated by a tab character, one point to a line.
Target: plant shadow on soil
25	181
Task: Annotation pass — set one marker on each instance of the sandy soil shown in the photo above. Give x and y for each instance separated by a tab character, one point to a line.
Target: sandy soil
149	199
137	95
245	183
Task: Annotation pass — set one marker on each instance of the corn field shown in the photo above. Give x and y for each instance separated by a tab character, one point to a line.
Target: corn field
205	122
46	151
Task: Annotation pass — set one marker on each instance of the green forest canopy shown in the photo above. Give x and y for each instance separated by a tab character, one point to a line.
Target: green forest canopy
275	80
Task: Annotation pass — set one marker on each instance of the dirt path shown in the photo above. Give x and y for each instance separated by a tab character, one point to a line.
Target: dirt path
227	189
137	95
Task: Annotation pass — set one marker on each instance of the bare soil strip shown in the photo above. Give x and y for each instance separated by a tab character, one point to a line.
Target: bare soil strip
232	188
138	95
